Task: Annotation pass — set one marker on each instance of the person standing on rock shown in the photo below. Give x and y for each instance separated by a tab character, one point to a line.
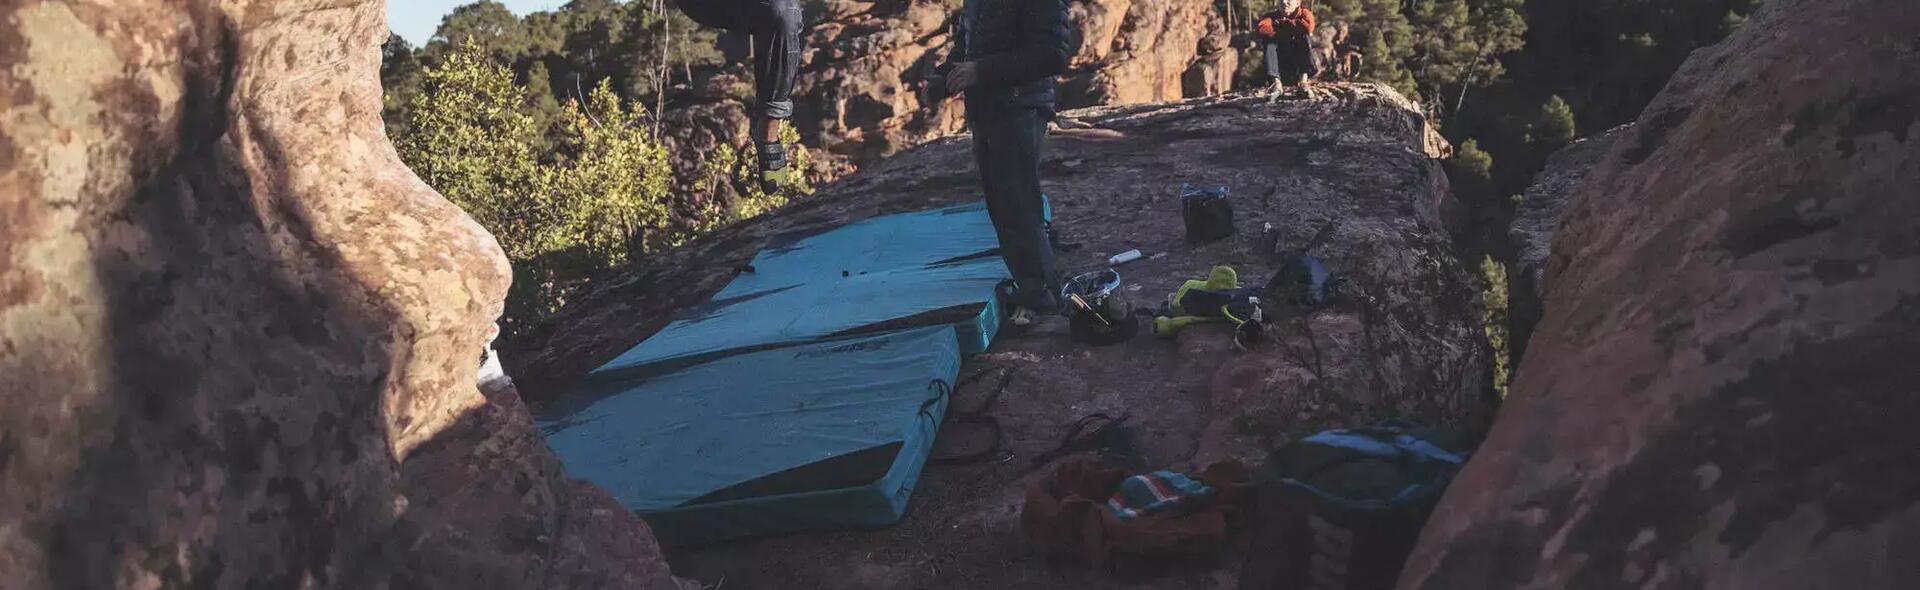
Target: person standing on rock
775	27
1005	56
1286	35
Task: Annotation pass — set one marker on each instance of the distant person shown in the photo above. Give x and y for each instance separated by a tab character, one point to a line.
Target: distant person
1286	35
1005	56
775	27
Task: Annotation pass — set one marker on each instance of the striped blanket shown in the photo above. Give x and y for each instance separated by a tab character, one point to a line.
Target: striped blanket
1155	493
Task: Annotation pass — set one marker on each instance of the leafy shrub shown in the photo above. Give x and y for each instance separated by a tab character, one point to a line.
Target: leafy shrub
591	193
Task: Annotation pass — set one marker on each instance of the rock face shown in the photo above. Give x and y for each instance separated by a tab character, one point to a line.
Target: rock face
1721	393
238	338
1362	155
1537	219
863	92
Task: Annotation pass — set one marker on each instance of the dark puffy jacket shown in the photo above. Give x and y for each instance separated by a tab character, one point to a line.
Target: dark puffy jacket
1018	46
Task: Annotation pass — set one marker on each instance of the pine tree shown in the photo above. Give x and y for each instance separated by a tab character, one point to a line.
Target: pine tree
1494	295
1385	35
1458	45
1472	162
1554	126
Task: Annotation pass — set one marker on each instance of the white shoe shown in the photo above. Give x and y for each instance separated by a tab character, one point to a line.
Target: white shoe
1022	317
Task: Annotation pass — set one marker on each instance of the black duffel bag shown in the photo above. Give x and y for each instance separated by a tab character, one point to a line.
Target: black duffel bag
1342	509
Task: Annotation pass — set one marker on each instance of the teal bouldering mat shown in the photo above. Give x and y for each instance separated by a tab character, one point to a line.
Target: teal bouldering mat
897	271
822	435
803	396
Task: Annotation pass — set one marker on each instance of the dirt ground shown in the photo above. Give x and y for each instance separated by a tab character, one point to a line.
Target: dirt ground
963	529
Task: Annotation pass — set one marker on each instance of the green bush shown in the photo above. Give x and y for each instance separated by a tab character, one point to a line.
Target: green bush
468	135
1472	161
1493	277
590	192
609	189
733	170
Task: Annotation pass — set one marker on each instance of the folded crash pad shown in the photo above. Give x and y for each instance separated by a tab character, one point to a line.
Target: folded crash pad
805	395
814	436
898	271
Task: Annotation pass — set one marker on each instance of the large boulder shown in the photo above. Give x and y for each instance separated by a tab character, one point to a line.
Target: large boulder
1362	156
238	338
1721	393
862	93
1133	51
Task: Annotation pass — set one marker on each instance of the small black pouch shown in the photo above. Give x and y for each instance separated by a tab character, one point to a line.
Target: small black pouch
1208	214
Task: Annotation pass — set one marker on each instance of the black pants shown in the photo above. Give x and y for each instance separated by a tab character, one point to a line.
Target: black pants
775	26
1288	60
1006	146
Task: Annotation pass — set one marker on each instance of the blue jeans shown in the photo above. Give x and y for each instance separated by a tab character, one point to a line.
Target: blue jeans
777	47
1006	146
1287	61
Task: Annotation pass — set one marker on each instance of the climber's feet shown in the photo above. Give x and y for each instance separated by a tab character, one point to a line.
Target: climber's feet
773	166
1022	316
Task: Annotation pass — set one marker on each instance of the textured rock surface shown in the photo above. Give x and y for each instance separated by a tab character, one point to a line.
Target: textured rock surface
1546	203
238	338
863	92
1362	155
1537	219
1721	394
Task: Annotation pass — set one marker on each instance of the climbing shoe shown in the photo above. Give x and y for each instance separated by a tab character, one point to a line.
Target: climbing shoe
773	166
1022	317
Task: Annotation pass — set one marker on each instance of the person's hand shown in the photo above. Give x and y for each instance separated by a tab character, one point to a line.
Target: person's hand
963	76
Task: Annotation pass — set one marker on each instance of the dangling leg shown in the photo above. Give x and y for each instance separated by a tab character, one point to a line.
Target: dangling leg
777	55
775	27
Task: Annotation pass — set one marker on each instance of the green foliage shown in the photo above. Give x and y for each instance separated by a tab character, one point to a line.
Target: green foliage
402	76
1472	162
538	127
661	46
1430	50
600	197
611	185
1554	126
485	24
1384	33
467	134
1493	277
733	170
1607	58
1458	44
560	55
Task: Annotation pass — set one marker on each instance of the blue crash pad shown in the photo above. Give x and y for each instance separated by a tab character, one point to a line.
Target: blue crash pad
805	395
812	285
815	436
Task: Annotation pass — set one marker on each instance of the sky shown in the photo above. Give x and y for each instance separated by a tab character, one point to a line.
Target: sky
416	19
